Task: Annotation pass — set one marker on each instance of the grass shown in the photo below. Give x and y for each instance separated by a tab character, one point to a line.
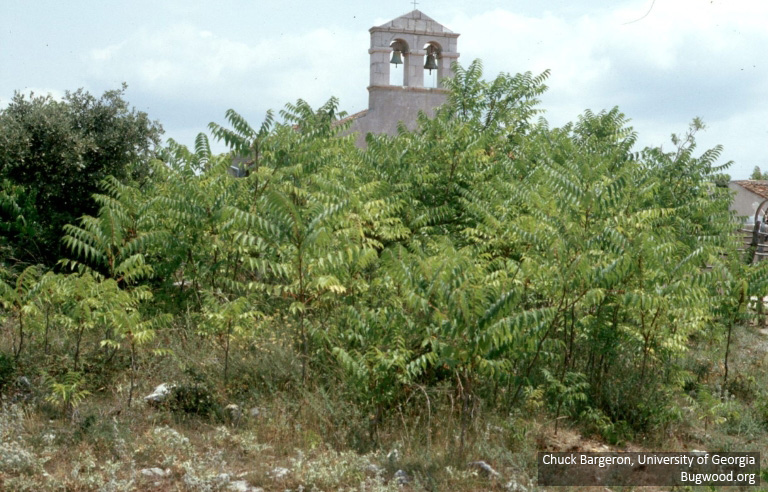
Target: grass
326	442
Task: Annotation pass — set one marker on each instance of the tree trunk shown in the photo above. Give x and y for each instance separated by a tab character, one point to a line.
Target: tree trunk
728	341
466	397
47	326
133	374
21	337
226	353
77	346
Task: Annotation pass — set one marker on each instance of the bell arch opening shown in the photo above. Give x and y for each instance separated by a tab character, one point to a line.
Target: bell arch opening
431	64
397	63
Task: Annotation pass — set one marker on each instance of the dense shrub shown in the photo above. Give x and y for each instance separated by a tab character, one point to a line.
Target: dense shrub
484	253
193	399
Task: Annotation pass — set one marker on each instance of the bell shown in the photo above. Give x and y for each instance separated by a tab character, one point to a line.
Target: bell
431	63
396	58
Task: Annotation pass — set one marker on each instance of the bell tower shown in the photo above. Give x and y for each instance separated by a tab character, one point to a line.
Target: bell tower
411	36
421	45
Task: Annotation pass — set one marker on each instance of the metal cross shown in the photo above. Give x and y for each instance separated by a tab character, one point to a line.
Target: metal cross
415	3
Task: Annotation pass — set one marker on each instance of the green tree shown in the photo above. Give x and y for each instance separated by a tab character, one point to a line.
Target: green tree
113	244
17	299
757	174
227	318
55	154
126	326
544	257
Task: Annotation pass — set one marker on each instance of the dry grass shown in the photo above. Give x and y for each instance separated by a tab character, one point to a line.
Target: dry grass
323	441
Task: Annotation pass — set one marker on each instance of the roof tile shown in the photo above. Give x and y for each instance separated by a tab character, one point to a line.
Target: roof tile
758	187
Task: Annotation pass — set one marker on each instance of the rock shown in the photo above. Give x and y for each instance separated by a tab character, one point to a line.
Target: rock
513	486
401	477
159	395
256	412
393	456
24	387
279	473
243	486
239	486
486	468
155	472
222	478
22	382
233	413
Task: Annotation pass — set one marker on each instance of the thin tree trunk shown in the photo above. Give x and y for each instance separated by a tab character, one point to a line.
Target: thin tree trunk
226	353
21	337
77	346
133	373
47	326
533	362
725	361
302	328
728	341
466	395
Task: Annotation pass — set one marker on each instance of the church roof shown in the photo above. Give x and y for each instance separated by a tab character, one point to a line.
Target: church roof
352	117
415	21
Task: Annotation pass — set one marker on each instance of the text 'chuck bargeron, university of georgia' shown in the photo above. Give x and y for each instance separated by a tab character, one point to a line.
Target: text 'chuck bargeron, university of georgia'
648	468
643	459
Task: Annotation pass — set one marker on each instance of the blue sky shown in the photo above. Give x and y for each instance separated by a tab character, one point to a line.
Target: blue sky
187	62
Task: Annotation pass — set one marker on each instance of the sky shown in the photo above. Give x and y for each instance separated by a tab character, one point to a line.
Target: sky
186	62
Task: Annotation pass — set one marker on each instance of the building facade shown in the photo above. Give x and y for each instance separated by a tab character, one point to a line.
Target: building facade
748	195
421	45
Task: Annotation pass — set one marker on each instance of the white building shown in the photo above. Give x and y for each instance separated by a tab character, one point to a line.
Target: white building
749	194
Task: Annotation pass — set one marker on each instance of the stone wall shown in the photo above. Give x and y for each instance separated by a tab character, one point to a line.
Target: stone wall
388	105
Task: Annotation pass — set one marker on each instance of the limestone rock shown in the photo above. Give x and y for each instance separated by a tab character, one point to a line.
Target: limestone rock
24	387
242	486
401	477
486	468
159	395
22	382
393	456
155	472
233	413
513	486
279	473
256	412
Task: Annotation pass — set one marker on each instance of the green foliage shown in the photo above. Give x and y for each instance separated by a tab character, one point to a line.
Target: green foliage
483	256
113	245
193	399
577	255
758	174
17	299
68	393
54	154
227	319
568	393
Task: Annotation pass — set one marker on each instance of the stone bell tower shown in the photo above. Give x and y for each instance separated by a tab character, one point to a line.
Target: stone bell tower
421	45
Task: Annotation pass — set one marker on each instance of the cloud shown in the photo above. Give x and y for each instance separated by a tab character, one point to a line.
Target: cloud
686	58
186	63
